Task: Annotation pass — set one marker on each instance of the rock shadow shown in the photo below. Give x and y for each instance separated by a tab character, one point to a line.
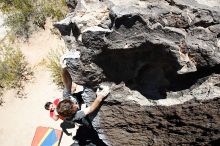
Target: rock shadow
87	136
185	81
68	30
147	68
150	69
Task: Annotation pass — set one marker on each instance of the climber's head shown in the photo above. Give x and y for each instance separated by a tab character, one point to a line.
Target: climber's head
66	108
48	105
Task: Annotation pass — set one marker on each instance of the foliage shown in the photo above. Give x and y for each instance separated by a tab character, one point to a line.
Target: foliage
54	66
13	68
56	32
24	16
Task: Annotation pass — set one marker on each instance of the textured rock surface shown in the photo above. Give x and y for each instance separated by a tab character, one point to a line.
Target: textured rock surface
151	53
193	123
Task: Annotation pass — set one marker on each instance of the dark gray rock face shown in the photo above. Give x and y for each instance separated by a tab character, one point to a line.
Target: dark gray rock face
192	123
151	53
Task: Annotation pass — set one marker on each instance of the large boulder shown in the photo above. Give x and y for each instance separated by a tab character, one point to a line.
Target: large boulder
161	59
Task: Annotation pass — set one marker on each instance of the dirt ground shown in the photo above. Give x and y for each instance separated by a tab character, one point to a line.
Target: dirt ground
21	117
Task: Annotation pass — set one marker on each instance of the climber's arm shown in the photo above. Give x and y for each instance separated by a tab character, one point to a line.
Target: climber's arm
94	105
67	81
100	96
55	117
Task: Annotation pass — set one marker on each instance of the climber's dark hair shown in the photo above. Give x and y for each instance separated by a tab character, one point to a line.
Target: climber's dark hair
66	109
47	105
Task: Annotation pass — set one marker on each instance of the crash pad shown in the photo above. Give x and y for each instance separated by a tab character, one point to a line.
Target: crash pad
46	136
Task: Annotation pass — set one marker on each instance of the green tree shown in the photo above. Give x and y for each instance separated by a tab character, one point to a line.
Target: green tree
14	68
23	16
54	66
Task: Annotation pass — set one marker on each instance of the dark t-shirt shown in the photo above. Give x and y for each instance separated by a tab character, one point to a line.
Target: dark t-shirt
75	97
79	116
